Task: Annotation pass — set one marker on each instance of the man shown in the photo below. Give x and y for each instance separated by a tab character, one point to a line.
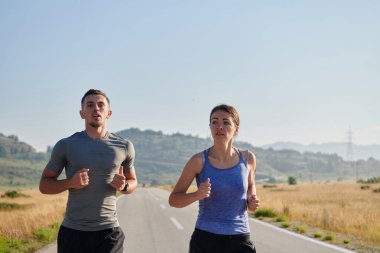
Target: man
97	164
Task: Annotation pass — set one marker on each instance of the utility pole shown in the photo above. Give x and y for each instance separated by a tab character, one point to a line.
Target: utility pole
350	151
357	171
311	171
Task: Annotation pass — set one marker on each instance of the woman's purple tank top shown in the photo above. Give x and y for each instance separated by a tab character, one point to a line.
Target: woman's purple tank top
225	211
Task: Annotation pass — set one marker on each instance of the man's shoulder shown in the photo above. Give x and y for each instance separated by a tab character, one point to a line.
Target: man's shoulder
116	137
75	136
66	142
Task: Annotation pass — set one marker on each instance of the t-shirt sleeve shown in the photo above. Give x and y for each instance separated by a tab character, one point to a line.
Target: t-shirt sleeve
58	157
129	162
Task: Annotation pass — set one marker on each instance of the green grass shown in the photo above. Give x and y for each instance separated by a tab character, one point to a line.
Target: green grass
15	245
44	234
318	234
11	206
39	239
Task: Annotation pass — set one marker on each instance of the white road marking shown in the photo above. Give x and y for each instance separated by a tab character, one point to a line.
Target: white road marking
303	237
176	223
152	195
162	206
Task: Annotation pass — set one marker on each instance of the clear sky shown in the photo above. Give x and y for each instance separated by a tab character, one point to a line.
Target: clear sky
302	71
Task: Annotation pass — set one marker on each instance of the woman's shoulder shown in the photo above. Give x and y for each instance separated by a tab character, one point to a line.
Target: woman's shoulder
250	159
197	161
198	157
246	154
251	154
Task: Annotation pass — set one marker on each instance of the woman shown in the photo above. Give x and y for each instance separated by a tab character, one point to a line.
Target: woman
226	189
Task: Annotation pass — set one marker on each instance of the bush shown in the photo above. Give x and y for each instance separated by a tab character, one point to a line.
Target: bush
265	212
373	180
318	234
269	186
292	180
377	190
281	218
286	210
346	241
13	194
285	225
330	237
301	229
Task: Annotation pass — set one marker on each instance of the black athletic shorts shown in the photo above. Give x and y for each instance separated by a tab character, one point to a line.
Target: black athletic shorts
205	242
103	241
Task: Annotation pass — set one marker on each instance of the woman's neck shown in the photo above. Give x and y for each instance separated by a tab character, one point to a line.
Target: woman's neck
222	153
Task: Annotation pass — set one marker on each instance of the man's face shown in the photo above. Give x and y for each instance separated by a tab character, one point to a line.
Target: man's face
95	110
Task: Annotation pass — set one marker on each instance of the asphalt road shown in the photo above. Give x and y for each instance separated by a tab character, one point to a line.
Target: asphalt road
152	226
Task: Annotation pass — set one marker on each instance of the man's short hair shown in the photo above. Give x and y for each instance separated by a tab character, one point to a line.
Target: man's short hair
94	92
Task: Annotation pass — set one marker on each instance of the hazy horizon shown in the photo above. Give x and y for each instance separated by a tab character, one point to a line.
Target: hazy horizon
268	145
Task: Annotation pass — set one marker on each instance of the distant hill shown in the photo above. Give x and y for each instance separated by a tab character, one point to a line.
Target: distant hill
160	159
339	148
20	164
11	146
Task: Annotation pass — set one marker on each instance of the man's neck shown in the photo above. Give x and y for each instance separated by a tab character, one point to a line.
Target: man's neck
96	133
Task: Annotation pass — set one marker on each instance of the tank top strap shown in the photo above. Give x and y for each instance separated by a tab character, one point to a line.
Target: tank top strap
238	151
241	156
205	156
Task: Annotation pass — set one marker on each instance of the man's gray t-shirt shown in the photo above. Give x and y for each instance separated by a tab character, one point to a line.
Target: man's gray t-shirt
92	208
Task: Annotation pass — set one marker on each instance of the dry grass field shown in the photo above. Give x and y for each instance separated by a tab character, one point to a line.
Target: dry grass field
338	207
344	208
38	211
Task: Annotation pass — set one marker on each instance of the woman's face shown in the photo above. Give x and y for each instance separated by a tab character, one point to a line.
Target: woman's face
222	126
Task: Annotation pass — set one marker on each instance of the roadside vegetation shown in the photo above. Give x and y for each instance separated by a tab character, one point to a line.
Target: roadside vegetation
372	180
29	220
342	213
